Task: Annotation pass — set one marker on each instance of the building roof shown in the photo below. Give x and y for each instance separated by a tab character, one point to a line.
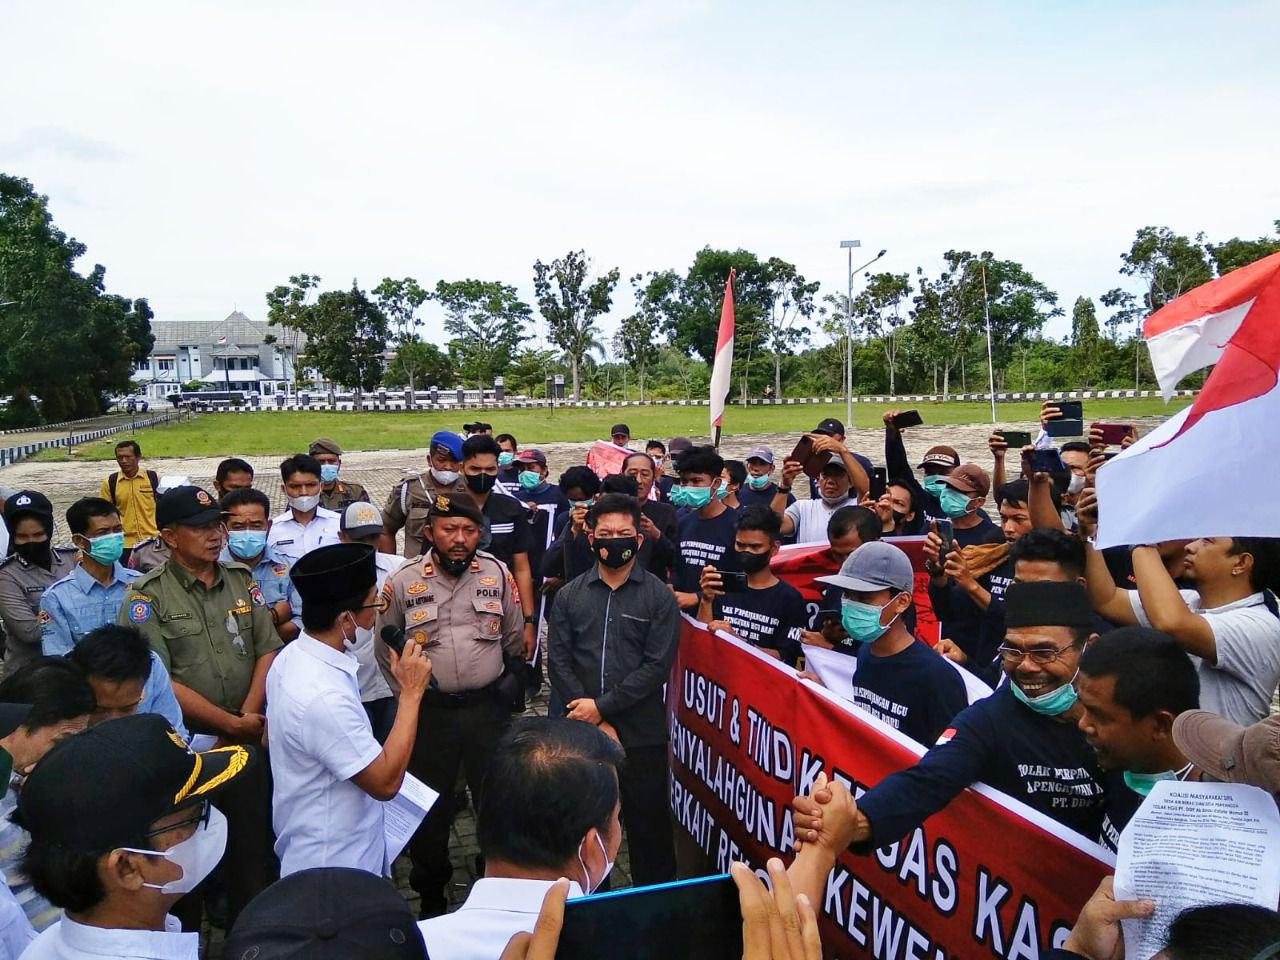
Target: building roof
238	329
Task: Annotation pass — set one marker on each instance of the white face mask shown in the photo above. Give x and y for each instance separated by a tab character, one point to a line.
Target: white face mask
446	478
1075	485
355	639
195	856
305	504
590	887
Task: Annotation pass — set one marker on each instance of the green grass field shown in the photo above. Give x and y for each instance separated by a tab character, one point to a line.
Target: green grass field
213	435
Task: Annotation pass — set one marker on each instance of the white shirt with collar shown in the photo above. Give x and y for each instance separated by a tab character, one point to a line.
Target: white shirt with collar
68	940
373	685
496	909
320	738
290	539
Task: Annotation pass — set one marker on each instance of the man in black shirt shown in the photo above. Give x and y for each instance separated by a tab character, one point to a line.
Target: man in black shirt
897	678
611	642
1022	740
760	486
769	613
657	519
506	524
705	528
938	462
1133	683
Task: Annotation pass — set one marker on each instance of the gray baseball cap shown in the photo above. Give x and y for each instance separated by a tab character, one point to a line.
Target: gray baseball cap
874	566
761	453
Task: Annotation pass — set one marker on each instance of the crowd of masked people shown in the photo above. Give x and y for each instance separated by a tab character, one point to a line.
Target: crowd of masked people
206	703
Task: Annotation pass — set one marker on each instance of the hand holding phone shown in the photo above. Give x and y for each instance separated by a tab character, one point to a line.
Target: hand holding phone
1046	461
908	418
946	536
879	482
1111	434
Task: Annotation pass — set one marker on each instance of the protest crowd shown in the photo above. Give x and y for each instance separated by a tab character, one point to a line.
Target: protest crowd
213	715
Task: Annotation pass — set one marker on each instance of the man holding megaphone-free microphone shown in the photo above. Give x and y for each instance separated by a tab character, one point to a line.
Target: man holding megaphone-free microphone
329	771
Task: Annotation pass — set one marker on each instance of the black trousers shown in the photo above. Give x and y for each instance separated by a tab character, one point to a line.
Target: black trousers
449	738
646	814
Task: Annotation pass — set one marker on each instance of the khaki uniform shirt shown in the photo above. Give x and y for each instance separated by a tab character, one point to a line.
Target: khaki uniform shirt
408	504
22	585
343	494
148	554
210	638
464	624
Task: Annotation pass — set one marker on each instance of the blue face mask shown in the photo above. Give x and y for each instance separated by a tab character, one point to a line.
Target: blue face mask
107	549
579	503
861	621
1144	783
695	498
934	485
505	459
246	544
328	472
758	483
953	502
1051	704
530	480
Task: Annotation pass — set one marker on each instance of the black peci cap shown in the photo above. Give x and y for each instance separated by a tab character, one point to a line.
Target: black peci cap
103	788
326	913
335	573
1047	603
456	505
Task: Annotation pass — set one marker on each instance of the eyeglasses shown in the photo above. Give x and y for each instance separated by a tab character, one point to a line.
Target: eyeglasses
199	818
1041	656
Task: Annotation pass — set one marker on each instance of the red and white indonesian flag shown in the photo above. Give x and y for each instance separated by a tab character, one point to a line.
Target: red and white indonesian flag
1209	471
722	369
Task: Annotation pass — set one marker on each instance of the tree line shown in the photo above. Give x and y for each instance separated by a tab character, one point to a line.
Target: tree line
69	344
910	332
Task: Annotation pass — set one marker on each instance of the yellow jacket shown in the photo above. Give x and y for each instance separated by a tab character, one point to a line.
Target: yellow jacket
136	502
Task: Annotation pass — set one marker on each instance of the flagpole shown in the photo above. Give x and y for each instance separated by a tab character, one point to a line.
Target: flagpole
991	370
722	365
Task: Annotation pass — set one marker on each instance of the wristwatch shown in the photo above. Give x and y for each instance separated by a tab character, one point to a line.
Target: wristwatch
530	619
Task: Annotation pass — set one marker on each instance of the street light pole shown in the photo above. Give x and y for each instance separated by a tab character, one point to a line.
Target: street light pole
848	338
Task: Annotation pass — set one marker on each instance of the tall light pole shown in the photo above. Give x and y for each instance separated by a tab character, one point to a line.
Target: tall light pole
848	376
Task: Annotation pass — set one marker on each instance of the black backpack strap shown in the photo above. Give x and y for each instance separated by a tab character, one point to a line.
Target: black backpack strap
155	482
111	487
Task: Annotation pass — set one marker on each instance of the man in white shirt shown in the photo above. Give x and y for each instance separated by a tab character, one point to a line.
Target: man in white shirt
362	522
1229	622
842	482
329	772
305	525
529	837
125	804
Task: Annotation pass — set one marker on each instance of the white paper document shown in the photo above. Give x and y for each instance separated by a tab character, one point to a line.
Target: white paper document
836	670
402	814
1192	844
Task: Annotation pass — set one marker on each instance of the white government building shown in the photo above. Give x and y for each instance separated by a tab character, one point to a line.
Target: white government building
228	354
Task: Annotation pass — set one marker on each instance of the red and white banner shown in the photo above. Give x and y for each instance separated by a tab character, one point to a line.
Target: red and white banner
799	564
1170	484
986	877
606	458
722	368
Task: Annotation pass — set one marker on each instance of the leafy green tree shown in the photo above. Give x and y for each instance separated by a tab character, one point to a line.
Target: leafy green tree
486	320
1236	253
399	300
570	305
634	339
529	371
879	312
66	340
347	339
418	362
793	302
289	308
1085	346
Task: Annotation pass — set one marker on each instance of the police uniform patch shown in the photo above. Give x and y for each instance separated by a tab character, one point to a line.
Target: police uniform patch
280	569
418	636
44	617
416	588
493	605
140	610
489	581
256	596
417	616
203	498
242	606
493	626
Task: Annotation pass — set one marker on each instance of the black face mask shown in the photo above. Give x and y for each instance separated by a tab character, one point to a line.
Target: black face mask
481	482
899	518
39	552
615	552
454	568
751	562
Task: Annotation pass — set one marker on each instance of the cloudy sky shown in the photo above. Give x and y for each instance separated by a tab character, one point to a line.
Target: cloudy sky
205	151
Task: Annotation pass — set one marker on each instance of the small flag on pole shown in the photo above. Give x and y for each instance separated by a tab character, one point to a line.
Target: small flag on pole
722	369
222	341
